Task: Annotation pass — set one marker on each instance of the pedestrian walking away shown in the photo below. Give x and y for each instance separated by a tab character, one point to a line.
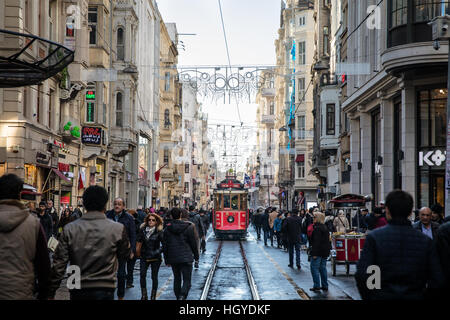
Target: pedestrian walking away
95	244
265	225
149	249
195	218
320	250
180	249
24	259
118	214
293	229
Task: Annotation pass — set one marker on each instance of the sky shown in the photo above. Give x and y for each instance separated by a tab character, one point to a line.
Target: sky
251	28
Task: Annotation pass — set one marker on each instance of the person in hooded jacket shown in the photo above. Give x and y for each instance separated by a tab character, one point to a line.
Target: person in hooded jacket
257	221
180	249
148	249
23	246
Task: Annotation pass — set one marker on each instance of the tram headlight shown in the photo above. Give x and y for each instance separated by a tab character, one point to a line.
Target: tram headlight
230	219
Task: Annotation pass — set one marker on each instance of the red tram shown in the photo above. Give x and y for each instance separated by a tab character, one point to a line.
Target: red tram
231	215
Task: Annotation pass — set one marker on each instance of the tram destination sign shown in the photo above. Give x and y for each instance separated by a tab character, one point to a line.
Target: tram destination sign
91	135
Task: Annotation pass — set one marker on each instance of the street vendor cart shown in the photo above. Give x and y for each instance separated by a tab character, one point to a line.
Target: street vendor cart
347	247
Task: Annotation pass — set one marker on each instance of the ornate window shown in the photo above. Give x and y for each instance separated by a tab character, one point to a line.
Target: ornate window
119	109
120	44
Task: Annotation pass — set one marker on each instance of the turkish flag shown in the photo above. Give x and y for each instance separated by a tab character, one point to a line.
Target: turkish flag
157	173
80	182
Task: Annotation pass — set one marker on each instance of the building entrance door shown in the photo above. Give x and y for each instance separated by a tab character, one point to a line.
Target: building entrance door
437	195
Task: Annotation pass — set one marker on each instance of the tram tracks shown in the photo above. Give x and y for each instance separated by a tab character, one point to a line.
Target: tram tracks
231	270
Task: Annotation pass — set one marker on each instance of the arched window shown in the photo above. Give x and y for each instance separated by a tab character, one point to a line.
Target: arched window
166	119
119	109
120	44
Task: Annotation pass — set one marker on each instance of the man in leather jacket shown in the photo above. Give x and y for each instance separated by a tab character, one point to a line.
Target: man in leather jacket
86	244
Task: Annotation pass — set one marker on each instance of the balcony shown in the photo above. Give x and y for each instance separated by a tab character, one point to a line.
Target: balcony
268	92
268	119
122	141
167	175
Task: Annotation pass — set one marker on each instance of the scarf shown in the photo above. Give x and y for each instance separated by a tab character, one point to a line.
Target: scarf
148	232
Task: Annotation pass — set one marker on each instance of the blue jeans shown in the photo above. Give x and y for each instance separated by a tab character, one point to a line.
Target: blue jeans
304	238
319	268
291	247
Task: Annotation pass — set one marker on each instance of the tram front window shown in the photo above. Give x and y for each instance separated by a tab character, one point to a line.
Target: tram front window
234	202
243	202
226	201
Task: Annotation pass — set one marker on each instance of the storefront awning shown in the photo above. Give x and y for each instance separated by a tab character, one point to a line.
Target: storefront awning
59	174
300	158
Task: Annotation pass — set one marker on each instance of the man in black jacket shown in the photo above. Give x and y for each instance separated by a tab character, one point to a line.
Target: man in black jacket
205	220
195	218
293	229
425	225
407	261
265	225
180	248
118	214
257	219
54	214
46	220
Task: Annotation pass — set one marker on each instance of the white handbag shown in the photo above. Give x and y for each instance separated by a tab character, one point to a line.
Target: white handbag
52	243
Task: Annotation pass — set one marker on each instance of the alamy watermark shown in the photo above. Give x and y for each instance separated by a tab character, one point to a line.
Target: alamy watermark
374	280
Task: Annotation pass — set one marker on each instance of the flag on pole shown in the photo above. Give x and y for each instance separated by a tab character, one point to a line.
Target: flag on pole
157	173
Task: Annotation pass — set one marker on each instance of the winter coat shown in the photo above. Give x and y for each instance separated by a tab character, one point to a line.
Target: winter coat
362	221
306	221
23	249
180	243
320	241
205	221
140	216
47	224
442	244
265	221
277	224
340	223
151	247
94	244
130	226
55	219
380	222
329	223
406	260
434	227
272	217
197	221
258	219
293	229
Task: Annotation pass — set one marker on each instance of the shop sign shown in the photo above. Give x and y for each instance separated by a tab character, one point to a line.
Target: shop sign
433	158
91	135
42	158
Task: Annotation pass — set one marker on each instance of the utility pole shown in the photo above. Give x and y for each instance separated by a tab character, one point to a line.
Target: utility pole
440	31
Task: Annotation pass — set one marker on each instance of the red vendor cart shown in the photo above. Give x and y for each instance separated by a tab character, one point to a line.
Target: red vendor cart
347	247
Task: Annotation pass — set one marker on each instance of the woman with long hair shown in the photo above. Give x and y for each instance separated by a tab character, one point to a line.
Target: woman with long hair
149	249
320	250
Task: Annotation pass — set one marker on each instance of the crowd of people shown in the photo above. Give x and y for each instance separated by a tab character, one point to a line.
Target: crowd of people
104	245
392	242
412	252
